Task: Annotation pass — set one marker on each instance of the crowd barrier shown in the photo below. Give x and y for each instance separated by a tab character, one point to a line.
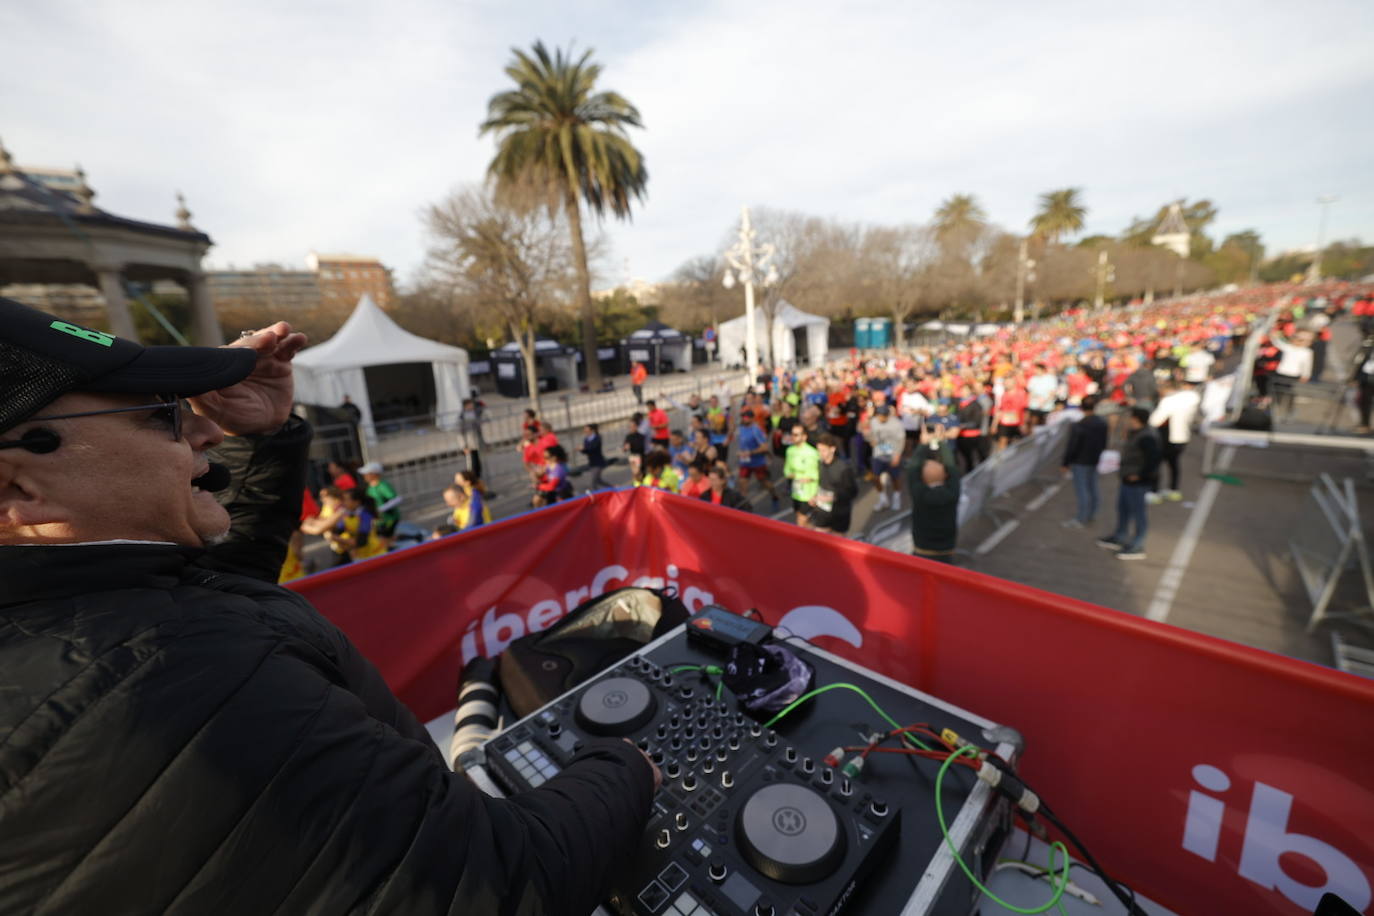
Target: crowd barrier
1213	777
421	454
1327	542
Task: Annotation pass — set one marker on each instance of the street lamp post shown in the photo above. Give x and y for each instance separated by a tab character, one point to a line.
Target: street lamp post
1105	274
1025	273
1314	273
750	264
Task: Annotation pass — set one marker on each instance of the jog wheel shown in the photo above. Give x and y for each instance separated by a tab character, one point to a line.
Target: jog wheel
790	833
616	706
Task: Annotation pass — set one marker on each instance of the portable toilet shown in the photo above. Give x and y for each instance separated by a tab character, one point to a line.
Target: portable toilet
862	333
879	333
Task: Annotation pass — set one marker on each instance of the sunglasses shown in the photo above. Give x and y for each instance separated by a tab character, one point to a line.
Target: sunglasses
167	410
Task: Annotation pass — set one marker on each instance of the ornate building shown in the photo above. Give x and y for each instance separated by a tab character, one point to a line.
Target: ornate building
52	235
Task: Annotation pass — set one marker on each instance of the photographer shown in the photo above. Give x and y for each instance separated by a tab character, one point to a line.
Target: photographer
933	480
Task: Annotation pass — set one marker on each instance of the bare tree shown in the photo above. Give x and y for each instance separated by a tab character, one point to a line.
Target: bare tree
901	260
510	255
694	297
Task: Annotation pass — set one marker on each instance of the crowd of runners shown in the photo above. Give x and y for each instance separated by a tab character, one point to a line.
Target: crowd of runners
909	423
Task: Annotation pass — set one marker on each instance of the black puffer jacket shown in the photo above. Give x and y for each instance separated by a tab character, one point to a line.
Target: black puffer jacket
191	740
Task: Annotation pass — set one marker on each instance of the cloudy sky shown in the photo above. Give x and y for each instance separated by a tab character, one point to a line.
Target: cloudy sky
328	126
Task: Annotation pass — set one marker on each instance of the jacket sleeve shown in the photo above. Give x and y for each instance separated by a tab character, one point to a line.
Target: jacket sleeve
849	484
1075	445
267	479
354	811
1151	454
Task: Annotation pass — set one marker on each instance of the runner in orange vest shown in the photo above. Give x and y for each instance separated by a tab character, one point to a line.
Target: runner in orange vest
638	373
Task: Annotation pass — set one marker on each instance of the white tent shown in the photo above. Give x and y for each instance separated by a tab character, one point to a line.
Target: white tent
790	324
369	339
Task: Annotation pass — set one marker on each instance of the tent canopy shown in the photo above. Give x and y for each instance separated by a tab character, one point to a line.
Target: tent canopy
369	339
657	330
660	347
542	346
791	325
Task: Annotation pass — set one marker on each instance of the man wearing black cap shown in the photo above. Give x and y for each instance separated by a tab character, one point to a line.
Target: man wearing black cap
177	733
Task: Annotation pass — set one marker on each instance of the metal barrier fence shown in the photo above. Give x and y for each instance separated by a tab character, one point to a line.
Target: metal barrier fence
1327	542
421	454
1245	372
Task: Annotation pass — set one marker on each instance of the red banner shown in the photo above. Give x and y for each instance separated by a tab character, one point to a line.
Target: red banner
1213	777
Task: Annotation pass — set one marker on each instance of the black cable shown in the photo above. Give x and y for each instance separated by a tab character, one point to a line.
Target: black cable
1115	886
1127	899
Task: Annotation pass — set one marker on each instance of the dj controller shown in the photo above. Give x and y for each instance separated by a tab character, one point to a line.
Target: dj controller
753	820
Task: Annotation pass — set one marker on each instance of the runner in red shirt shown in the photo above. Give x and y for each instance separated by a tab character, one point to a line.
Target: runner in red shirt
1011	414
658	425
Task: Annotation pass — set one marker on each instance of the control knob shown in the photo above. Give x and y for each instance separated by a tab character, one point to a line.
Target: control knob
689	783
681	821
716	872
726	779
664	838
878	807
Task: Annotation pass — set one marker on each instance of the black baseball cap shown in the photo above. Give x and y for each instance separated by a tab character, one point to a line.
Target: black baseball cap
42	357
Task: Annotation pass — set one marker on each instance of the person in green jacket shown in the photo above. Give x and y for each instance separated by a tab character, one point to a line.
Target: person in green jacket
384	495
933	482
802	466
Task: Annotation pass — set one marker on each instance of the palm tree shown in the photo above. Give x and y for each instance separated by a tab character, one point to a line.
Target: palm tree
959	219
556	133
1061	213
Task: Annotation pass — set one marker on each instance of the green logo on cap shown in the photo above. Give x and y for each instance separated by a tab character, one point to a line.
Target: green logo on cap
98	337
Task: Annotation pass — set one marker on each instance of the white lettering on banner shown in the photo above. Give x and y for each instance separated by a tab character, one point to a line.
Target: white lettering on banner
497	631
1266	839
1202	830
812	620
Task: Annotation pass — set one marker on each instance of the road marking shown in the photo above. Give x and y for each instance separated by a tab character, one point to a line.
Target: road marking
1183	551
1035	504
998	536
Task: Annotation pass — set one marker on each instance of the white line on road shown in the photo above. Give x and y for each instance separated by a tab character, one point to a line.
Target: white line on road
1035	504
1183	551
998	536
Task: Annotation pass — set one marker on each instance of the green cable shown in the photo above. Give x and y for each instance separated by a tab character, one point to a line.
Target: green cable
720	684
1057	846
1041	872
859	690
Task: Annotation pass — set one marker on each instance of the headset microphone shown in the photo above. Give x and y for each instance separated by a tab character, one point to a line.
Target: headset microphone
213	480
38	441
